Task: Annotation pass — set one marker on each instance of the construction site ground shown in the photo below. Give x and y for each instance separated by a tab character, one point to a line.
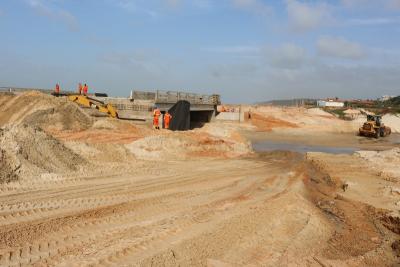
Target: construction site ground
77	190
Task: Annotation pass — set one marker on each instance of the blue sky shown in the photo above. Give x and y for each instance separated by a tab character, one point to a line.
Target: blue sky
245	50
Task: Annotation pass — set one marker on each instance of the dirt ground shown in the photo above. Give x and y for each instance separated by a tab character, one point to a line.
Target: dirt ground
100	192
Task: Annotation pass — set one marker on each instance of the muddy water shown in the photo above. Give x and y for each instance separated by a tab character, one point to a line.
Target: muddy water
322	142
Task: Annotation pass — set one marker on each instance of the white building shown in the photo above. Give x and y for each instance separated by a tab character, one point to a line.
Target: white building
330	103
386	97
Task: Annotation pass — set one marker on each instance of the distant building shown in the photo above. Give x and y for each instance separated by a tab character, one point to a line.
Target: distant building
386	97
330	103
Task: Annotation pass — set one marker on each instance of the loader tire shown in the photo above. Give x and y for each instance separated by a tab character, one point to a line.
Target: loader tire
377	134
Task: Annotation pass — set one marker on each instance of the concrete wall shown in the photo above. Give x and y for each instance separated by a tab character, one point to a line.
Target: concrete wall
322	103
229	116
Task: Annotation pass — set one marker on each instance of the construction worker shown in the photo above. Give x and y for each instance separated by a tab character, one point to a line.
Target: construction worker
57	89
85	89
156	115
167	120
80	88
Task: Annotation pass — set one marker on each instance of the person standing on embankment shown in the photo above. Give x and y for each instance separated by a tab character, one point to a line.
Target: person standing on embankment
156	115
167	120
57	89
85	89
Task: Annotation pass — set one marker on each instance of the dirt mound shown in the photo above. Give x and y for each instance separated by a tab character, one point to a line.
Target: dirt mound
298	120
393	121
267	123
45	111
104	131
175	146
27	151
387	162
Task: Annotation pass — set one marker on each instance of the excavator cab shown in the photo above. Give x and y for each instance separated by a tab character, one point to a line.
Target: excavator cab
374	127
375	118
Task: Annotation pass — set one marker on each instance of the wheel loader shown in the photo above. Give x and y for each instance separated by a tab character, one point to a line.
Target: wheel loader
374	127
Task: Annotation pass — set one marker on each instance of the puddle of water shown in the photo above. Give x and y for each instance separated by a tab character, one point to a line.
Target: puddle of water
265	146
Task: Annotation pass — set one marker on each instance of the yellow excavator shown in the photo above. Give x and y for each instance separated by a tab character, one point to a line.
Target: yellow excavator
89	102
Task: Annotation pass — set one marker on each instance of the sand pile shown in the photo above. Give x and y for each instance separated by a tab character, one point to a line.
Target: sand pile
387	162
104	131
268	123
42	110
393	121
296	119
210	141
318	112
27	151
160	147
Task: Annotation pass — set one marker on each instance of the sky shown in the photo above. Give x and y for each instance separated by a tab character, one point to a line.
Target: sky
245	50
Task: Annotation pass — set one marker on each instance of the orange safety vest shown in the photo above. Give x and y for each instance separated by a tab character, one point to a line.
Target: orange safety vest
167	118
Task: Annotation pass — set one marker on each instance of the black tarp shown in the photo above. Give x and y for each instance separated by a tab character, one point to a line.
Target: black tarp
180	113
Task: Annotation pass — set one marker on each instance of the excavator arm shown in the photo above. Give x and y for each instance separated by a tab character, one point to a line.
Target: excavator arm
93	103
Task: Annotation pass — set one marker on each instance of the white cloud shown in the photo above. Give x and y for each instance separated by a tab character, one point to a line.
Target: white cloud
204	4
135	7
339	47
232	70
388	4
147	60
287	56
174	3
256	6
43	8
394	4
306	16
236	49
354	3
372	21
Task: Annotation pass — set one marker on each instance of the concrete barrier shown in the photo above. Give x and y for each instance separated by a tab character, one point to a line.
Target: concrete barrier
228	116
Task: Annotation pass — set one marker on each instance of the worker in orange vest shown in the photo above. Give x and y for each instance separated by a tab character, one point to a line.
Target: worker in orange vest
80	88
167	119
57	89
156	115
85	89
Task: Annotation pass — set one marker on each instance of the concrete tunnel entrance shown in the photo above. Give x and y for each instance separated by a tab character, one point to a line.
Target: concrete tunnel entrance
186	117
199	118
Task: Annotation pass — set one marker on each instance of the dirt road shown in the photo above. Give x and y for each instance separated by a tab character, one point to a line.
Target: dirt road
257	211
82	191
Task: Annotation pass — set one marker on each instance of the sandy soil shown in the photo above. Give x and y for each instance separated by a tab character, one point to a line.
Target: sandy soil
299	120
101	192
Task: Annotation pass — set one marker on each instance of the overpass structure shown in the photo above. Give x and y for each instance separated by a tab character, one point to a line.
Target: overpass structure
140	104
